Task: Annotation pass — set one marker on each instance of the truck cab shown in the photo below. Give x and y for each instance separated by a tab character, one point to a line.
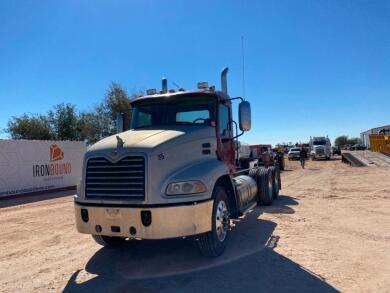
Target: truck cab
320	148
172	172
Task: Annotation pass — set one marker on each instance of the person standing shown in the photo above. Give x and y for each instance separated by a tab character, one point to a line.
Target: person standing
302	157
265	156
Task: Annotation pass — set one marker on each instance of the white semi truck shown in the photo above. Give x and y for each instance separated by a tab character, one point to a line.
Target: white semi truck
173	173
320	148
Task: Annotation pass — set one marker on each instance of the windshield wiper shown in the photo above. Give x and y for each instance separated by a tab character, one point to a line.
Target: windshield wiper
180	123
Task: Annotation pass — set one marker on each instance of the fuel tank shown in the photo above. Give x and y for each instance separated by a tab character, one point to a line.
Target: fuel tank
246	191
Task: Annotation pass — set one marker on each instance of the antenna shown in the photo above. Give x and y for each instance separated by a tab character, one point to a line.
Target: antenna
243	66
175	84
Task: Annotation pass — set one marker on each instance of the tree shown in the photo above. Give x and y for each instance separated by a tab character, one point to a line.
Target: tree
341	141
30	127
101	122
92	126
354	140
115	101
64	121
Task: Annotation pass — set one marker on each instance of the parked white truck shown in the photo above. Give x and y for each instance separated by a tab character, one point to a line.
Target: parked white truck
173	173
320	147
243	154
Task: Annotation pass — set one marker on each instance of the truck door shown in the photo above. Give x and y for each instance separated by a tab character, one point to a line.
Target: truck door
224	136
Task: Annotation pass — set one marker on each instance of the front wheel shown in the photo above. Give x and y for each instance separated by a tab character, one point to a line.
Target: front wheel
108	241
213	243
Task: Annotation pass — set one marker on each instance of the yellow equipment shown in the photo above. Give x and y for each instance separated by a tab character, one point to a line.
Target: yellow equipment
380	143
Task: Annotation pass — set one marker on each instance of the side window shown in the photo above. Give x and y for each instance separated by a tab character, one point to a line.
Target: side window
223	122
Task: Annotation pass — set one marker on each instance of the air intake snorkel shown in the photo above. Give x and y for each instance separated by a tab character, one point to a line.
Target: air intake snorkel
164	85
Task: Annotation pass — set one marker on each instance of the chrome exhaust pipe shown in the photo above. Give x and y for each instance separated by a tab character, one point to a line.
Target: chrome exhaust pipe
224	80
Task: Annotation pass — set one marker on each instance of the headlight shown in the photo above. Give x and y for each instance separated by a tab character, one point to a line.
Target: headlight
186	187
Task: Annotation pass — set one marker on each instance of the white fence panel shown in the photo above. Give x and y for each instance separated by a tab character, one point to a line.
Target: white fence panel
31	165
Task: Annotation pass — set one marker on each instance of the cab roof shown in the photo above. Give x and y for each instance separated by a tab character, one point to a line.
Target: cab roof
218	94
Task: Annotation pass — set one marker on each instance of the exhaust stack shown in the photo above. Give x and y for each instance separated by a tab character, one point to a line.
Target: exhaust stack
224	80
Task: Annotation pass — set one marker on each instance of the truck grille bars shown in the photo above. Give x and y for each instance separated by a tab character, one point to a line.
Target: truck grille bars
121	180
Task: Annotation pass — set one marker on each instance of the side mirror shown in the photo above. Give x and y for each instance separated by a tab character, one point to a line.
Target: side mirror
244	116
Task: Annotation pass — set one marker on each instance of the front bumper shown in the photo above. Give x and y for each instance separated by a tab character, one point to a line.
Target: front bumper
167	222
293	156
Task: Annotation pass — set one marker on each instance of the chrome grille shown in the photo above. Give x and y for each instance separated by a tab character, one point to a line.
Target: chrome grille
123	179
320	151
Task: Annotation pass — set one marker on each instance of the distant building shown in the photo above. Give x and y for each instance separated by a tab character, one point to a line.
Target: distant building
378	130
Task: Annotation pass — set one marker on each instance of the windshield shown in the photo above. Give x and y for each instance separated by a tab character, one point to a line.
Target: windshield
174	111
295	150
319	142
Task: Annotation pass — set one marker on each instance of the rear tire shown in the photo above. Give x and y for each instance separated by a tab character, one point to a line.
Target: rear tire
108	241
265	192
275	181
281	163
213	243
253	173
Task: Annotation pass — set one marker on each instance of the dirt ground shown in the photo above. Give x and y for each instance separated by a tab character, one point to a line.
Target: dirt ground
329	231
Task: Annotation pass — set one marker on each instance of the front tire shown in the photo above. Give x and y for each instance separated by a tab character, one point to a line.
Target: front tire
213	243
108	241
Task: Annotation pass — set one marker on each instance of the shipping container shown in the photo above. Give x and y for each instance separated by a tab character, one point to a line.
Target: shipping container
380	143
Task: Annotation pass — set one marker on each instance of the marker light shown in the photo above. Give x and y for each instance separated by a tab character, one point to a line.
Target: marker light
151	92
185	187
203	85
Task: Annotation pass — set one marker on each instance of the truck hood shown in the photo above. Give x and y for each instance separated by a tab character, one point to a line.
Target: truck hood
148	139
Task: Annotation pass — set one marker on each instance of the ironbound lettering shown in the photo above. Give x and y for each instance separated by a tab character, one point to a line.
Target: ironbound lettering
52	169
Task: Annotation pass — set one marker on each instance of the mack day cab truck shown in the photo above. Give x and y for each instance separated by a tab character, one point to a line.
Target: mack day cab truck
174	173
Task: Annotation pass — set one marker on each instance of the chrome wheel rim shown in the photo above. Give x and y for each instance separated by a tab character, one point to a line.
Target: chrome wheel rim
270	193
222	221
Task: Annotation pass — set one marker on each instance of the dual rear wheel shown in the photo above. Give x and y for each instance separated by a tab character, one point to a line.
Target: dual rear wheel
268	184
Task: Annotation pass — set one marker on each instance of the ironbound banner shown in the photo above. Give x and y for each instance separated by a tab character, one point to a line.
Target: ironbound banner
32	165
